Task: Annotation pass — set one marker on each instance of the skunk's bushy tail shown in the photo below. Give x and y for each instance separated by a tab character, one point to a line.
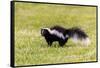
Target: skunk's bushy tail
78	34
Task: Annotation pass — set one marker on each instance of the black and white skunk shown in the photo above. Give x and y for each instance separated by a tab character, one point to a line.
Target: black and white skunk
60	34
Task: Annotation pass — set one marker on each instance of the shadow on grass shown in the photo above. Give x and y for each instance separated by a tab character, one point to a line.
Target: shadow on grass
56	46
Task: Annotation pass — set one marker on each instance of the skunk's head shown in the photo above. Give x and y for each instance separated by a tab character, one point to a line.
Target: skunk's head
45	31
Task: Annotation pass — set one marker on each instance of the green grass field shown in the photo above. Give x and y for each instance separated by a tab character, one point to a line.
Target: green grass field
32	49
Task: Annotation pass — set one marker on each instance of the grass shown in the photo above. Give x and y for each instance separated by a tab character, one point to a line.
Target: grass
32	49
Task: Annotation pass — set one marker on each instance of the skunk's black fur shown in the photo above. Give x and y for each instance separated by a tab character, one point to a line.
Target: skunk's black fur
60	34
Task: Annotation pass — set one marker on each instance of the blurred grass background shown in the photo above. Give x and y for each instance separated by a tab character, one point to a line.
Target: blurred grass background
32	49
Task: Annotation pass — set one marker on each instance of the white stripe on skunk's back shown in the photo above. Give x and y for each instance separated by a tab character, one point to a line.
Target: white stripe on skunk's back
55	32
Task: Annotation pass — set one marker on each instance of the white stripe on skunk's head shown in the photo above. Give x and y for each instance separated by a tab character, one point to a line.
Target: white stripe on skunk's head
45	31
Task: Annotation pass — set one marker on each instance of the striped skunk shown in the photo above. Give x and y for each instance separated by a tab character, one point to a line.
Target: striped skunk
60	34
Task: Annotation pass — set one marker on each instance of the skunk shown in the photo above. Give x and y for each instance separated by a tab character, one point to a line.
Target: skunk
60	34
